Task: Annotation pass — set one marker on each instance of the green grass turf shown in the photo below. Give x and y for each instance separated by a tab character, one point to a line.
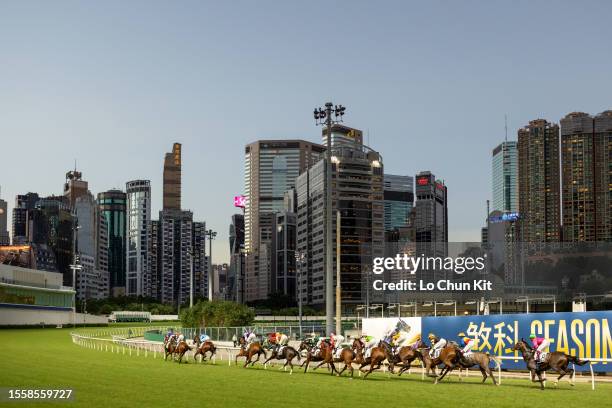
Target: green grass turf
47	358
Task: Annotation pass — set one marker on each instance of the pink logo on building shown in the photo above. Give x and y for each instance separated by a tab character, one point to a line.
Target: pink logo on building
240	201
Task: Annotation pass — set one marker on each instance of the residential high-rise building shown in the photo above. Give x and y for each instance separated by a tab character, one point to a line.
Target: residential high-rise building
539	182
174	247
235	278
586	168
431	222
112	206
505	177
357	191
201	262
23	204
398	200
154	261
92	279
4	235
138	280
271	168
172	179
75	186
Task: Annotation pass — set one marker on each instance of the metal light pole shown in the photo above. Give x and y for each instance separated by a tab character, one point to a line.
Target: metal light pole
211	235
76	266
299	257
190	253
324	117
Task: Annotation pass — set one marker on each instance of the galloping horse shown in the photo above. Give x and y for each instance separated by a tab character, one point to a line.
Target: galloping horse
555	360
326	356
449	357
203	348
288	353
377	356
407	354
483	361
348	356
254	348
180	349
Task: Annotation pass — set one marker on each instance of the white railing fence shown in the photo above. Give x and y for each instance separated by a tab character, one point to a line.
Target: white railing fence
120	341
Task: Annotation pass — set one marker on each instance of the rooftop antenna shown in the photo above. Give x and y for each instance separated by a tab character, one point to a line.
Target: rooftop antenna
506	126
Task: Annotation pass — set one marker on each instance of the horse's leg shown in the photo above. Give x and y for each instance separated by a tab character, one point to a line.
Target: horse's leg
333	367
319	365
449	368
562	374
307	362
370	370
484	374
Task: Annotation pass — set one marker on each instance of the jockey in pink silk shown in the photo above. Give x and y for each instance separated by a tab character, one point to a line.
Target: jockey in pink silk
539	344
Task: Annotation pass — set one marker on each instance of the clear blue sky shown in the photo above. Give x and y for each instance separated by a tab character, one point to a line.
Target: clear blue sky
114	84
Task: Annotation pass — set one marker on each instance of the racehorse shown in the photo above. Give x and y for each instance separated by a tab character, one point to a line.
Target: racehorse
483	361
254	348
379	354
449	357
169	348
348	356
288	353
326	356
181	349
555	360
203	348
407	354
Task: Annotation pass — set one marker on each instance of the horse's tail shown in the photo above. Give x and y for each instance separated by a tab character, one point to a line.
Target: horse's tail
495	359
577	361
297	354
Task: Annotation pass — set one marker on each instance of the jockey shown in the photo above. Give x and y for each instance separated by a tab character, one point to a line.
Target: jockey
370	342
437	344
281	341
539	344
319	345
168	337
204	338
249	337
336	341
415	341
180	338
466	351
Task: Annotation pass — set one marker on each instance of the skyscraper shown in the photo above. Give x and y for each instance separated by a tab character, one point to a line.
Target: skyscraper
75	186
539	184
92	281
505	177
138	280
398	200
51	223
235	279
172	179
4	235
431	222
586	168
23	204
112	206
271	168
357	191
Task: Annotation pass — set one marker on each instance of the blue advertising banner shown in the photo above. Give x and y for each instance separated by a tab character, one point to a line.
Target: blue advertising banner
582	334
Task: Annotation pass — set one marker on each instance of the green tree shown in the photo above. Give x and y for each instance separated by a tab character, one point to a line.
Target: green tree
217	314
